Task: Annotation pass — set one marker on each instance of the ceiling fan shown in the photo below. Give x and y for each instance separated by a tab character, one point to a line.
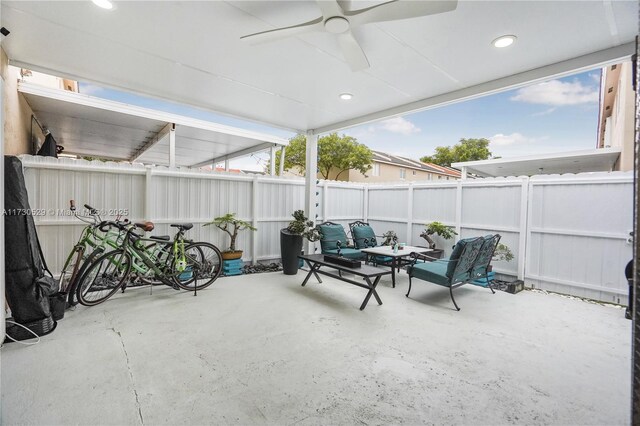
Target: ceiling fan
336	20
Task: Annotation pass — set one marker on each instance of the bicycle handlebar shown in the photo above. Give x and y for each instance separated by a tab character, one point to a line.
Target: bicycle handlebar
106	224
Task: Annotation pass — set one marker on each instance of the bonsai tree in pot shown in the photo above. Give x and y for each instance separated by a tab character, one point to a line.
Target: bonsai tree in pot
437	228
502	253
230	224
291	241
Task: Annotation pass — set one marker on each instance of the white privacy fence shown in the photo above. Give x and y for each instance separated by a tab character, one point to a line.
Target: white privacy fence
568	233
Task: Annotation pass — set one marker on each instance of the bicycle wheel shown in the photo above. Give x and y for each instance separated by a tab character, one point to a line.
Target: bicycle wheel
201	266
104	276
73	286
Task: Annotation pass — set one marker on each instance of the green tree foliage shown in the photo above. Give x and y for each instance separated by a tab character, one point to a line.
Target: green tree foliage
336	155
465	150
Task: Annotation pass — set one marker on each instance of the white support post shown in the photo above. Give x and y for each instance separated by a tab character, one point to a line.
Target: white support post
147	194
524	228
463	173
281	171
172	146
226	165
409	213
325	201
254	220
311	181
458	209
272	161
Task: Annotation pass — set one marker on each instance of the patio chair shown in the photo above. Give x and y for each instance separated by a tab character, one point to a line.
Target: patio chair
480	270
452	272
333	240
364	237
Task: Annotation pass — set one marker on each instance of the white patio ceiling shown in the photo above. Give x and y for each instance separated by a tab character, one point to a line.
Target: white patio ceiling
91	126
590	160
191	52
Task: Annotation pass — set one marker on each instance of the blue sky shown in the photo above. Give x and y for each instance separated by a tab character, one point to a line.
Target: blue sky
554	116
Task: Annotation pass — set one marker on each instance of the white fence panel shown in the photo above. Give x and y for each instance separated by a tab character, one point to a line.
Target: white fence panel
437	203
345	202
578	232
568	233
388	203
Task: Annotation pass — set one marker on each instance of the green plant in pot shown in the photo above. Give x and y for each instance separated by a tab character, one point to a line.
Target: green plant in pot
230	224
291	241
440	229
502	253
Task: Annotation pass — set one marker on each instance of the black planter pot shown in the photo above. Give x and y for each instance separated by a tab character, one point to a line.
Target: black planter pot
290	248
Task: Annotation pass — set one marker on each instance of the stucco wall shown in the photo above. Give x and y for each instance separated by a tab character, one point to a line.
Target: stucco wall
622	119
390	173
17	112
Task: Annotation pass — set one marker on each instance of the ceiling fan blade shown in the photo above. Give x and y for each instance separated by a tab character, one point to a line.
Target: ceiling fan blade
352	52
280	33
395	10
330	8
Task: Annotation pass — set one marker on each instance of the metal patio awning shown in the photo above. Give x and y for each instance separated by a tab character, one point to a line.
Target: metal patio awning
91	126
591	160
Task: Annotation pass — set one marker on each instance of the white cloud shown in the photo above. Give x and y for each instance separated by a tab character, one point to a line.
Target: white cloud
557	93
400	125
545	112
512	139
90	89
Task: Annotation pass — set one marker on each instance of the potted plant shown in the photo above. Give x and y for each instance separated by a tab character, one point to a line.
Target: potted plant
291	241
390	238
230	224
440	229
502	253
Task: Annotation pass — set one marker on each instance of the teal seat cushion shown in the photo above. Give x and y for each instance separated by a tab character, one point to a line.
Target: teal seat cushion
331	234
362	233
384	259
346	252
433	272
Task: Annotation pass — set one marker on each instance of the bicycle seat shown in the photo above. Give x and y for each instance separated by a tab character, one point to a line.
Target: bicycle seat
182	226
145	226
160	237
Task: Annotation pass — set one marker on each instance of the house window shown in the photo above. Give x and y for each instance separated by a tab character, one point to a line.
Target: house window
414	172
403	173
375	171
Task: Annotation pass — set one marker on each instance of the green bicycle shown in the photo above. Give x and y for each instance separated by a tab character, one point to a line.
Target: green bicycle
181	263
91	243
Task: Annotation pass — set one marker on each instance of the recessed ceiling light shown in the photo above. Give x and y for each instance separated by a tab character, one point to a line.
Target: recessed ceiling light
504	41
346	96
105	4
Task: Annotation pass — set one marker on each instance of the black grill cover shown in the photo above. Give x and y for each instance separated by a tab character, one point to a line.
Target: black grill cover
27	299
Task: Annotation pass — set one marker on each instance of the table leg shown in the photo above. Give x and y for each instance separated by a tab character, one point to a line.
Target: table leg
372	290
393	271
312	270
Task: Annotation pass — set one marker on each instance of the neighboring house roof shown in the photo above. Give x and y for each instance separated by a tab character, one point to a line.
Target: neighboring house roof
383	157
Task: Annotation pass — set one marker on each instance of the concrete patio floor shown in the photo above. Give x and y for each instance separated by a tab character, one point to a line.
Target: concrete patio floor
260	349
